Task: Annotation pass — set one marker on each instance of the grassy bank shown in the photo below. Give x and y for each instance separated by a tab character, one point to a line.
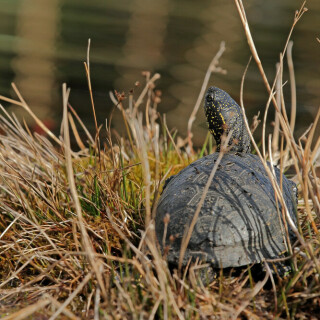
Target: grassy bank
77	230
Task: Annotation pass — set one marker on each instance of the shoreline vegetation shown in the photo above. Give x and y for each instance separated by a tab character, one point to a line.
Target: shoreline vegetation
77	227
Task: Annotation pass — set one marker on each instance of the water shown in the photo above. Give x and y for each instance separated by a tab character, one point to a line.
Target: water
44	43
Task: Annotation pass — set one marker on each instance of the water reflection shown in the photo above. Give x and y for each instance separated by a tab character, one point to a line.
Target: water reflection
33	65
144	40
43	43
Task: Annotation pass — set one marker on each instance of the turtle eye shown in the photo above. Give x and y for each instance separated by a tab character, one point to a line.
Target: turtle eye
209	98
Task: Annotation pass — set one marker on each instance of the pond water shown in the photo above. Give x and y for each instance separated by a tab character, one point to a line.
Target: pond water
44	43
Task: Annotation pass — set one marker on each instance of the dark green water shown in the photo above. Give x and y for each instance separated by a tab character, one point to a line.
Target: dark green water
44	43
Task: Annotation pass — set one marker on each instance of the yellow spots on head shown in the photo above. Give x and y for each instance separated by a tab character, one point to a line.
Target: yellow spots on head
222	118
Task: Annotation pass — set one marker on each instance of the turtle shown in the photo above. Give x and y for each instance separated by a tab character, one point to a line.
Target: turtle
240	222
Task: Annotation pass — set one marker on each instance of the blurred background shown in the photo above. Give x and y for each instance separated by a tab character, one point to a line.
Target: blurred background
43	43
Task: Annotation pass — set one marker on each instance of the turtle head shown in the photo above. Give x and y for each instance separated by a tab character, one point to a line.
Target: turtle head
224	114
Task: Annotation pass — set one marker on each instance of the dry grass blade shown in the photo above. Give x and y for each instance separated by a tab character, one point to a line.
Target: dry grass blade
16	273
172	141
143	155
257	288
276	186
275	138
71	296
292	86
87	246
150	82
271	177
167	294
255	55
87	68
28	311
213	67
82	124
57	304
138	253
75	132
25	106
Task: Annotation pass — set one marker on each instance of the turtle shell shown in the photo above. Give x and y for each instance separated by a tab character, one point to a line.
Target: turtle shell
240	221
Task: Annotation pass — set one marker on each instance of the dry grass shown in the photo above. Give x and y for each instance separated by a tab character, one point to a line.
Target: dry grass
77	231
